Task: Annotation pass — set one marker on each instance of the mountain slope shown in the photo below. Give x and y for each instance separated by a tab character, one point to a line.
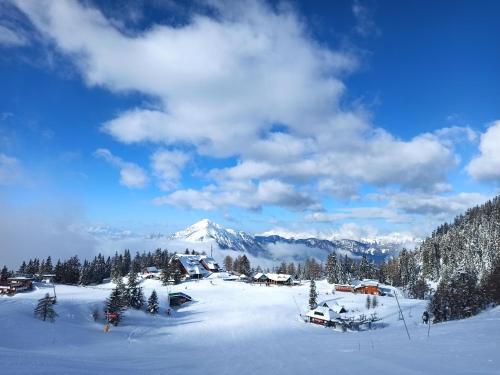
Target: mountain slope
281	248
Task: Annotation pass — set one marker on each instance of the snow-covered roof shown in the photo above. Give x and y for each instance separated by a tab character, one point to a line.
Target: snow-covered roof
278	277
152	269
333	305
192	264
367	283
210	262
258	275
323	313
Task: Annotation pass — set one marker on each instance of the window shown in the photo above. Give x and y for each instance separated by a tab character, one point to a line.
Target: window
318	313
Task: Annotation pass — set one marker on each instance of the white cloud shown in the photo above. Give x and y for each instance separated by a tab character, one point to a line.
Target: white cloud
443	206
131	175
222	84
365	25
247	195
10	170
358	213
10	38
486	165
167	166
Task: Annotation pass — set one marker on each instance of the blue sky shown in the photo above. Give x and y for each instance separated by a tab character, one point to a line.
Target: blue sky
347	119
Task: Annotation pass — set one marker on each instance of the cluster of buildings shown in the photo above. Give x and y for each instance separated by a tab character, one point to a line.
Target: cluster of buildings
364	287
191	266
16	284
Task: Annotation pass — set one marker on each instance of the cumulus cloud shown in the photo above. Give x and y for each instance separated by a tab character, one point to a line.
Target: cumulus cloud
247	195
167	166
444	206
131	175
250	84
486	165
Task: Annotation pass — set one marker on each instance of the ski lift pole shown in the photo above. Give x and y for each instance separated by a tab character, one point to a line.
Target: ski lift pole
401	312
429	328
54	288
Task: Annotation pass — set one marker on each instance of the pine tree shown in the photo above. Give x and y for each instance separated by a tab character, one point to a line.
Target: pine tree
115	302
4	275
331	267
368	302
153	306
245	267
45	309
374	302
313	295
134	295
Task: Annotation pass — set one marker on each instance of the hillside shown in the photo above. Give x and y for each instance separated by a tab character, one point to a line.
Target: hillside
470	243
236	328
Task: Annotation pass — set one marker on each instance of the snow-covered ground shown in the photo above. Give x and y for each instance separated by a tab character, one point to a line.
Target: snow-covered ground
237	328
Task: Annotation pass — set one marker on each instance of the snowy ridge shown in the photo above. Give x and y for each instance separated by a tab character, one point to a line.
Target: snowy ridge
206	231
281	248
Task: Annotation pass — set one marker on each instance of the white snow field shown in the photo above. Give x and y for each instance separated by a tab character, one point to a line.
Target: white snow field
237	328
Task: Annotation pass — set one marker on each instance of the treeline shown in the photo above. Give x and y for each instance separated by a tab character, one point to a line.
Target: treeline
94	271
462	257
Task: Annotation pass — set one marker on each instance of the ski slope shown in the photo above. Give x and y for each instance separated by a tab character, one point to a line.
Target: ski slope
237	328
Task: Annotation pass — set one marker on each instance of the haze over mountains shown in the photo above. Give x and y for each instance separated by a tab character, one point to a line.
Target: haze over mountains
208	235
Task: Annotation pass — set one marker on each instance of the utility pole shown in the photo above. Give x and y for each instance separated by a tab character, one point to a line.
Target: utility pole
401	312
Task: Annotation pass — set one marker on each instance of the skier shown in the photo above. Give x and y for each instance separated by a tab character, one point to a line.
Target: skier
425	317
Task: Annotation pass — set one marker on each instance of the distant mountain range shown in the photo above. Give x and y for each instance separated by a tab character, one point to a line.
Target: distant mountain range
275	247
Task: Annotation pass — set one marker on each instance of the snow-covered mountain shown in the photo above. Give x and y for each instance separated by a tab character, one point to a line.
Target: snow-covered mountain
280	248
207	231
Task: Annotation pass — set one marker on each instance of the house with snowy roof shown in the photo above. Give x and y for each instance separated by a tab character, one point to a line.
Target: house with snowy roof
368	286
279	278
196	266
326	313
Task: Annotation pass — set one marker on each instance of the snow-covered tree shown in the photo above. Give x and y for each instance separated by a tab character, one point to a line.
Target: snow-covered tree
134	294
153	306
331	269
313	295
368	302
44	309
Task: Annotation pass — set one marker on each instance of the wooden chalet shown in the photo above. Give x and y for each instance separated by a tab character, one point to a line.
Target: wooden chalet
322	315
260	278
279	279
16	284
368	287
344	288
